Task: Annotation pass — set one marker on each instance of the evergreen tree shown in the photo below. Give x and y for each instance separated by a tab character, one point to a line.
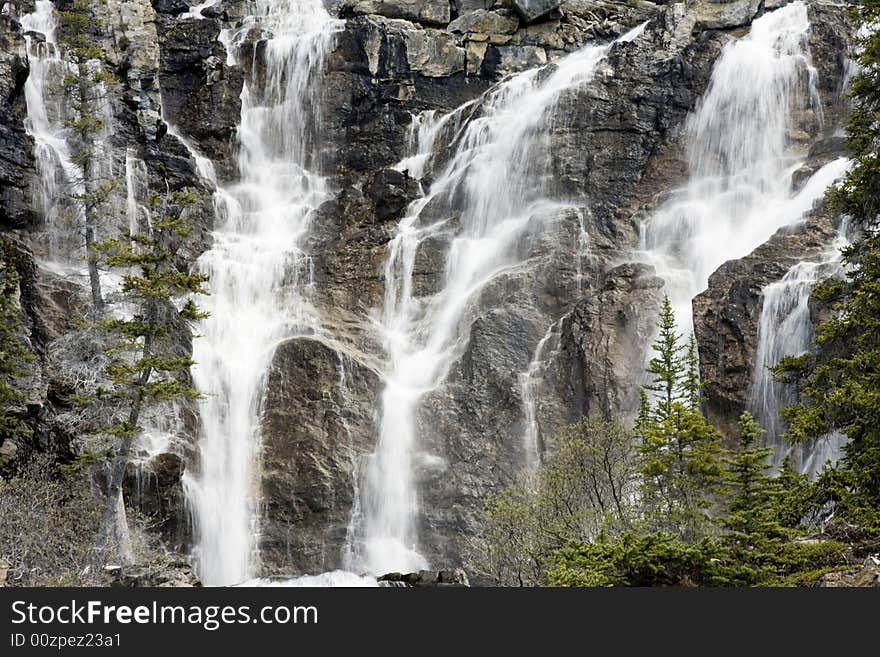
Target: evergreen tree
85	92
147	367
680	449
840	384
667	366
751	511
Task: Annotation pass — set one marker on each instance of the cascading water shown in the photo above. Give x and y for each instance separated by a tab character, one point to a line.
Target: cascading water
60	177
741	159
786	329
529	383
492	180
258	275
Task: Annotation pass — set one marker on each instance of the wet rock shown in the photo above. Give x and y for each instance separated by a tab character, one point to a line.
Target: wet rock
316	421
726	315
201	95
391	192
18	182
426	579
155	488
600	366
171	7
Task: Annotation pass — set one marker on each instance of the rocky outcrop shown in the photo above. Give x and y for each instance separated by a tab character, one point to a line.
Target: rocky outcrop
317	417
425	579
531	10
155	488
726	315
201	94
865	575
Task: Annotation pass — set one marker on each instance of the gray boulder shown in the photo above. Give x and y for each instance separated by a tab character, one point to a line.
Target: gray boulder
531	10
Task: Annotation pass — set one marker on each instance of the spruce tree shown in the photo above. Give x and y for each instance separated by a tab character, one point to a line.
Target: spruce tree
667	366
680	449
83	91
840	383
147	365
751	518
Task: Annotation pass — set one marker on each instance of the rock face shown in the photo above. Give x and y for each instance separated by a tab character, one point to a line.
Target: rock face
17	165
576	316
201	94
726	315
317	416
531	10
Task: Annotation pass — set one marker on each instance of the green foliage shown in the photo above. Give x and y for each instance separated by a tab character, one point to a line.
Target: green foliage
661	506
667	367
13	353
585	486
840	384
76	24
680	450
633	559
144	368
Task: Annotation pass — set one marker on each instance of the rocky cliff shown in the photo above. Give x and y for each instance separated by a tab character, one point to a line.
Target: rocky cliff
574	317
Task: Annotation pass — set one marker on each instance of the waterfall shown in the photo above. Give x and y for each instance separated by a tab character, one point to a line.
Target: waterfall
491	179
60	177
137	187
259	276
196	11
786	329
529	382
741	156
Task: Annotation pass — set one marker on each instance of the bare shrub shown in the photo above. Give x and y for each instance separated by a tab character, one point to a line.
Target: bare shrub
585	486
48	524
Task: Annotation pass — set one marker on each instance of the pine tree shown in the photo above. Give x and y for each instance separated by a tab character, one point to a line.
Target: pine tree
692	385
840	384
146	367
84	95
751	517
667	366
680	449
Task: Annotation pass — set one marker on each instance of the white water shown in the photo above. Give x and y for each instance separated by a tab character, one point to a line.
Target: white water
137	188
196	10
785	329
336	578
529	382
741	159
491	180
258	278
46	115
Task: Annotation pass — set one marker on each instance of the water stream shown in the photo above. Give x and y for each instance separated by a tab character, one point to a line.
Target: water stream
259	277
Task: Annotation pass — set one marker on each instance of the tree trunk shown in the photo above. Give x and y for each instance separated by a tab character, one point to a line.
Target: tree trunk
110	522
